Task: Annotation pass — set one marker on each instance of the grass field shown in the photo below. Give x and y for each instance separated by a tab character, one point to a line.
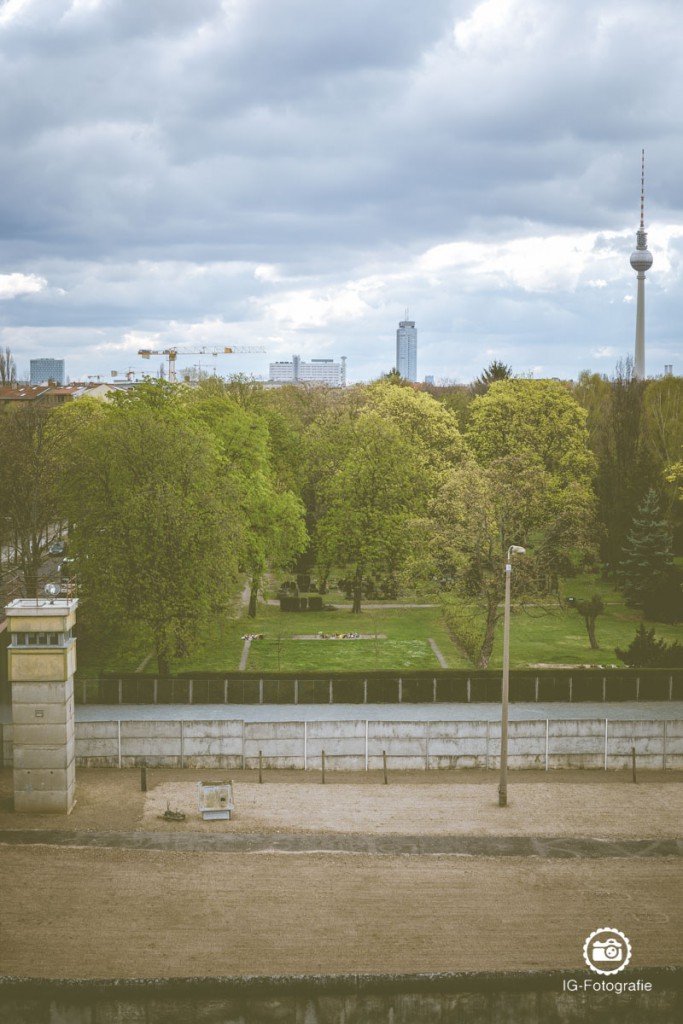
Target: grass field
406	632
540	634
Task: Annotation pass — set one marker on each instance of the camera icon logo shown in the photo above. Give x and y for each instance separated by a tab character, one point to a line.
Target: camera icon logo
607	951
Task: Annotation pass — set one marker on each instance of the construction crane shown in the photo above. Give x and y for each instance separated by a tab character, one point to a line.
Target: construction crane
172	354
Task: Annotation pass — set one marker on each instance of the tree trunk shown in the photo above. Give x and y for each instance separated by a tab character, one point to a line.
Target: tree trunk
253	597
357	591
590	626
163	664
490	632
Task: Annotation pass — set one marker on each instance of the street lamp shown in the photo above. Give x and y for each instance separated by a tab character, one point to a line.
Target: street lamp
514	549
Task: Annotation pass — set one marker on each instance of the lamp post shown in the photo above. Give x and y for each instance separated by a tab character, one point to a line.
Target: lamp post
514	549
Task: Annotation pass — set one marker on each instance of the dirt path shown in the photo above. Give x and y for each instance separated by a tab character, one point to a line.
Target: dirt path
135	914
88	912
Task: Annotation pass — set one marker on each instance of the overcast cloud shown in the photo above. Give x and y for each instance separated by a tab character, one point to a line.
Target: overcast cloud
295	173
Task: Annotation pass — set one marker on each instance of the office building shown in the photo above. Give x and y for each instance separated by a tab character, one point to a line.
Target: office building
406	349
44	370
318	371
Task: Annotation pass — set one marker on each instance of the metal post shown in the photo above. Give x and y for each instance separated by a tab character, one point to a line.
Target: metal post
605	744
323	765
118	733
503	786
384	760
633	763
366	745
182	744
546	743
260	767
305	746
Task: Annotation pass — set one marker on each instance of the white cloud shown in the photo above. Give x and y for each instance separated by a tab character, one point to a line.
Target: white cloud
498	25
12	285
606	352
306	309
12	9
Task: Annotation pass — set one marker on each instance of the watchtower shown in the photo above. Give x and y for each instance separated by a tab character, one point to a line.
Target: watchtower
41	665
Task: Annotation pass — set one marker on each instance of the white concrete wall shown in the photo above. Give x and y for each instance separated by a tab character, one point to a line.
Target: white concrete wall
356	745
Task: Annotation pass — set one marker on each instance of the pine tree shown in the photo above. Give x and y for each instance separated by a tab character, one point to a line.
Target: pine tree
646	651
495	371
647	565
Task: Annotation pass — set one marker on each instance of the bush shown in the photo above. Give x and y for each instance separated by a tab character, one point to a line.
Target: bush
645	651
466	625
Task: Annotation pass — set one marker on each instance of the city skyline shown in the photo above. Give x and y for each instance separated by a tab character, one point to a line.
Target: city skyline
269	175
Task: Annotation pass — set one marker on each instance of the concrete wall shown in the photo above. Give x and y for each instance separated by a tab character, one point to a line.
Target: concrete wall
357	745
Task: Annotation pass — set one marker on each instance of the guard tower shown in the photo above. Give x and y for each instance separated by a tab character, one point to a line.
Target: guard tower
41	665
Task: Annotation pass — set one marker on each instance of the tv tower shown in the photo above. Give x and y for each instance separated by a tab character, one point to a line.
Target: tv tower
641	260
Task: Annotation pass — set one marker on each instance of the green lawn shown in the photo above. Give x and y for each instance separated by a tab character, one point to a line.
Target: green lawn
406	630
551	635
339	655
539	635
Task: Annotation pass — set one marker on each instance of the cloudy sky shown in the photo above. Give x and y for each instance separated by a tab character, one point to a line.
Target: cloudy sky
294	174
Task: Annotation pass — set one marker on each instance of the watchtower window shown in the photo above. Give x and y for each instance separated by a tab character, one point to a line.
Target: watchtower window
41	639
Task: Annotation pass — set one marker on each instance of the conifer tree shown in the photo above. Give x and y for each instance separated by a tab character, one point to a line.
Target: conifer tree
646	568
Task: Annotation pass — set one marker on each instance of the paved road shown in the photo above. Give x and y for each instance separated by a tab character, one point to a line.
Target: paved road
343	842
626	711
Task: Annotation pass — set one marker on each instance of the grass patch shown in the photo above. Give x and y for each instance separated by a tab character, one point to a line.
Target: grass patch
540	634
339	655
553	635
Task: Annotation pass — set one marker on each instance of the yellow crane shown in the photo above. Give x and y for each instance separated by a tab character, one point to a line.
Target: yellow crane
173	353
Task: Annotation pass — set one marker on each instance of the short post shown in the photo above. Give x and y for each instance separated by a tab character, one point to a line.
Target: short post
633	763
143	779
384	760
260	767
323	763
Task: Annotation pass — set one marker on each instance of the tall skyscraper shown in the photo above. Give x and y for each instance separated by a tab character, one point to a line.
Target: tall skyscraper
406	349
43	370
641	260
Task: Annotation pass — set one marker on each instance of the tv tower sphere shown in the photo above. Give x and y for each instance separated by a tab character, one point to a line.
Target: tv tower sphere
641	261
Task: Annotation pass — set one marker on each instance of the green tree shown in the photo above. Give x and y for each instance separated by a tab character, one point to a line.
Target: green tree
646	651
8	367
495	371
663	441
590	609
462	543
427	425
370	486
647	576
624	469
477	514
274	532
29	468
536	418
155	529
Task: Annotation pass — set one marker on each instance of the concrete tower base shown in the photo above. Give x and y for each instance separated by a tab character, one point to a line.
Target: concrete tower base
42	661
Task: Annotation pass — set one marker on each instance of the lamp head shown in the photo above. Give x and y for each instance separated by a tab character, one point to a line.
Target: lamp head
515	549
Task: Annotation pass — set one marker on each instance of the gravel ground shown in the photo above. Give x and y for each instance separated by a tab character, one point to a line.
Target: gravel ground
146	913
